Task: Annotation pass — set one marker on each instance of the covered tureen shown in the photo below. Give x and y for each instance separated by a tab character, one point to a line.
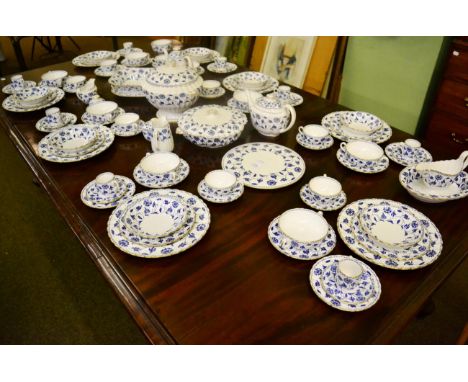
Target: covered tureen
172	88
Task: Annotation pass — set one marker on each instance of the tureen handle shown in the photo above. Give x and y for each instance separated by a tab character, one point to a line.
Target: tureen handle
292	111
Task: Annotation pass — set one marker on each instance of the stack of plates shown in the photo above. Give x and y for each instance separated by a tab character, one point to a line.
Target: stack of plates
255	81
93	59
33	98
390	234
74	143
158	223
357	125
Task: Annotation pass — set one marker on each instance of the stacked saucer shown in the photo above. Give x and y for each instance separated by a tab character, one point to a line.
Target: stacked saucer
390	234
136	59
314	137
408	152
220	186
345	283
211	89
158	223
74	143
32	98
357	125
362	156
323	193
255	81
55	119
17	82
302	234
161	170
107	190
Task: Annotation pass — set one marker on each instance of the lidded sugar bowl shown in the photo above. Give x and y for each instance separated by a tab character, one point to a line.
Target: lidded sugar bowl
172	88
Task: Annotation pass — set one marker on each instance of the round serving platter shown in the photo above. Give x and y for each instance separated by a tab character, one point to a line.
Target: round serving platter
264	165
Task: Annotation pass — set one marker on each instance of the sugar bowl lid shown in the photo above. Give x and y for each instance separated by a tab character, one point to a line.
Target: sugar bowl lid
173	73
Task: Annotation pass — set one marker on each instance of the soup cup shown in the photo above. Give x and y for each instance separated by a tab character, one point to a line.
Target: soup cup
161	165
303	225
126	123
314	134
253	80
161	45
54	78
325	186
240	99
32	96
102	111
348	273
210	87
363	152
137	58
73	83
86	92
108	66
220	182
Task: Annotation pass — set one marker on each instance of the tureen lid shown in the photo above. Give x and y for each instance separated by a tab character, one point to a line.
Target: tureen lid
269	102
212	121
172	74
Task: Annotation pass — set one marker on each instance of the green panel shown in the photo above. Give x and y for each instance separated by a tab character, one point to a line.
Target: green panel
389	76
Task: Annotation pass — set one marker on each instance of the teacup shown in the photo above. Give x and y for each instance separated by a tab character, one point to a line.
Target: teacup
161	165
126	123
240	99
54	117
17	82
210	87
102	111
283	92
73	83
314	134
220	182
161	45
348	273
108	66
32	96
409	146
325	186
303	225
86	92
137	58
362	152
220	61
54	78
106	185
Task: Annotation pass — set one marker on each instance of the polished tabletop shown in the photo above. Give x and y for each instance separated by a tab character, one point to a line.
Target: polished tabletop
233	287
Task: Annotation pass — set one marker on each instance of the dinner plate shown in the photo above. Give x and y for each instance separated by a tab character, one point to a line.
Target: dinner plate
414	258
264	165
118	232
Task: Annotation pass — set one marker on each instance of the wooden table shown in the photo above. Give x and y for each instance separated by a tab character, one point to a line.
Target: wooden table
233	286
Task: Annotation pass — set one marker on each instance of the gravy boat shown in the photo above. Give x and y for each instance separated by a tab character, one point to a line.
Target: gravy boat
442	173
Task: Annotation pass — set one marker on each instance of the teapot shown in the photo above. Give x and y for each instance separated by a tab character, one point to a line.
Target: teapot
159	133
270	116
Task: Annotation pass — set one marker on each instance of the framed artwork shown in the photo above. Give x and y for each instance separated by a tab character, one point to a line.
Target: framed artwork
287	58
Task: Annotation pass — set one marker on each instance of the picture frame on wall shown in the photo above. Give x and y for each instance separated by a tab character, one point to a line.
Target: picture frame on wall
287	58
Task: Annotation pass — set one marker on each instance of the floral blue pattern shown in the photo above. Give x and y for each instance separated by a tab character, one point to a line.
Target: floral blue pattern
359	165
220	196
405	155
95	200
314	143
234	82
165	180
322	203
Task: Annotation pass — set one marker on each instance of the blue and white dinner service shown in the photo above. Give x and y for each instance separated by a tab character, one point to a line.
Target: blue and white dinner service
220	186
107	190
32	98
53	78
102	112
200	54
264	165
136	59
284	94
211	89
221	65
323	193
314	137
72	83
211	126
161	170
17	82
395	253
87	92
357	125
158	132
126	81
128	48
302	234
162	45
362	156
127	125
55	119
255	81
408	152
345	283
93	59
122	227
107	68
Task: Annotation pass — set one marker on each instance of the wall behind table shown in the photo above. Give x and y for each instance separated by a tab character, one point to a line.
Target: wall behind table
389	76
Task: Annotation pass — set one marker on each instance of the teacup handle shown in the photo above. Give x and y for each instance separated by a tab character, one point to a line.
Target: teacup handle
301	129
292	111
343	146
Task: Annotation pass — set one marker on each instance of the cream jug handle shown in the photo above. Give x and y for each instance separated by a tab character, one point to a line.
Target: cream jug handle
292	111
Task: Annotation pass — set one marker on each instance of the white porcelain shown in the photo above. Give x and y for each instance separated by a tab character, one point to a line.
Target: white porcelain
93	59
172	88
220	195
164	179
269	116
17	81
160	163
107	198
126	81
86	92
240	100
257	81
33	102
349	271
325	186
161	135
72	83
136	59
320	202
283	92
161	45
220	65
210	87
200	54
32	96
407	153
314	135
220	179
106	181
103	108
364	150
303	225
127	125
54	119
442	173
54	78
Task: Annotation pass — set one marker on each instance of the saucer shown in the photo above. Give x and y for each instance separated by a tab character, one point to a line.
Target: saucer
207	194
7	89
298	250
320	203
87	118
323	282
42	125
95	202
220	92
371	168
228	68
325	143
393	151
152	180
128	132
294	99
412	182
